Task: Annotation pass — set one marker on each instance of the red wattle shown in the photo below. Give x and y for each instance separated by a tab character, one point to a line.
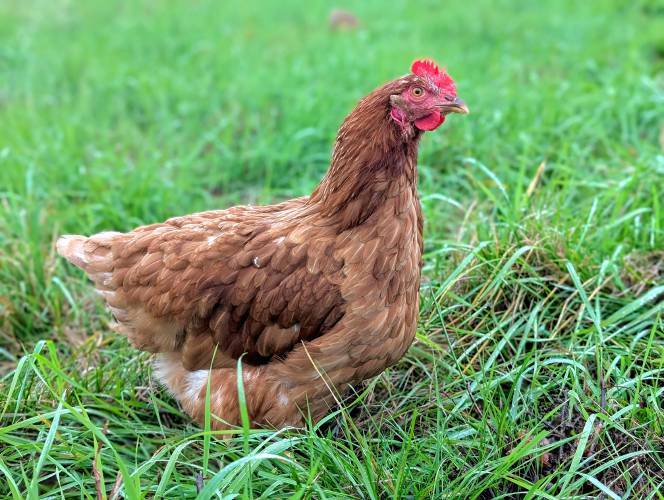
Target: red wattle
430	122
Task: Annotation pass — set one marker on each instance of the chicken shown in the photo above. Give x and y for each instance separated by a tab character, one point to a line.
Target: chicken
313	294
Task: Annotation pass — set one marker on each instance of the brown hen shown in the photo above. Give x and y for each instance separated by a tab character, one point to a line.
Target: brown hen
317	292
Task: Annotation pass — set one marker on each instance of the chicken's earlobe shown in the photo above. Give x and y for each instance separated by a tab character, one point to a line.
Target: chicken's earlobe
396	112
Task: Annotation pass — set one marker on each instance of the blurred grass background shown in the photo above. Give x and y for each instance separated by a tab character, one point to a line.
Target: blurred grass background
539	362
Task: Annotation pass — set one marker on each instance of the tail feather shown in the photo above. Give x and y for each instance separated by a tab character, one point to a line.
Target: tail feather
95	256
71	248
92	254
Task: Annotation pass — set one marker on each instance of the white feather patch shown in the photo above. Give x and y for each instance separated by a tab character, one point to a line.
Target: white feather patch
168	371
196	380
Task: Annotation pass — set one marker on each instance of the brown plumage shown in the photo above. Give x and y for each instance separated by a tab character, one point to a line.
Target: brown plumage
317	292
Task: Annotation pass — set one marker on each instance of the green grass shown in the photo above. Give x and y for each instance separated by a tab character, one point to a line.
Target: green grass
538	369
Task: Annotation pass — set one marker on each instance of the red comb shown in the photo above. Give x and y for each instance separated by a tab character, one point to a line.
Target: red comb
426	68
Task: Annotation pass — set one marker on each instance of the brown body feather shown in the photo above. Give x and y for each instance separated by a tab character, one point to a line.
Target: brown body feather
317	292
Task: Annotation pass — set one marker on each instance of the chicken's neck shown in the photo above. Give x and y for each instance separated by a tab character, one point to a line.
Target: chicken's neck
373	161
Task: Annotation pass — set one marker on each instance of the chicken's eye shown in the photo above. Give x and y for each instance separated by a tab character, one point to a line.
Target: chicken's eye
417	91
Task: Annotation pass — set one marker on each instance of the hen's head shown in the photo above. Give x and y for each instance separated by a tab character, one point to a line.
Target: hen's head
425	97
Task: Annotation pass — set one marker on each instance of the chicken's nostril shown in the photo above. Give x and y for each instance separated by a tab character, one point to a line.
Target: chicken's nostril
449	97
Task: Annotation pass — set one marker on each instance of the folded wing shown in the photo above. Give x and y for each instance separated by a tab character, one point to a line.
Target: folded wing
233	281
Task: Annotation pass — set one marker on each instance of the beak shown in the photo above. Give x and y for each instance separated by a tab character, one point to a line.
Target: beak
455	106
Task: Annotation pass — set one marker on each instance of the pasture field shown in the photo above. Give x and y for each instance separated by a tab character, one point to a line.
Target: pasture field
538	368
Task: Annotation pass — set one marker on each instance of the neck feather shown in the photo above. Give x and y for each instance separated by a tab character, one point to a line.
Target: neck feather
374	158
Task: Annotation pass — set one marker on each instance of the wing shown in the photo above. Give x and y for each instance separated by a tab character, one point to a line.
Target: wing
253	280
